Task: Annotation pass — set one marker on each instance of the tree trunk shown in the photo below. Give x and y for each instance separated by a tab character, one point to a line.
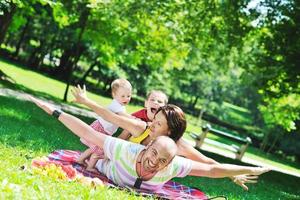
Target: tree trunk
78	49
6	19
64	64
195	102
32	57
264	142
82	80
22	36
275	140
202	111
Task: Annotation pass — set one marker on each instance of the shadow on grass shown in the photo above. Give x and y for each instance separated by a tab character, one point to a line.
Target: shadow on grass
24	124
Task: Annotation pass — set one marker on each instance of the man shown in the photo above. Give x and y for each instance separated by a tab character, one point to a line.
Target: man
134	165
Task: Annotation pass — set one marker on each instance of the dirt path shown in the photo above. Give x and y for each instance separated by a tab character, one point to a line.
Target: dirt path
72	109
84	112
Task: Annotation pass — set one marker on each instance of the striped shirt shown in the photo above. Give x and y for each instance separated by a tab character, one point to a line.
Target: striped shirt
120	160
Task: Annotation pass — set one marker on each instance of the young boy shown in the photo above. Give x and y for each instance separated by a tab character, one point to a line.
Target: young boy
155	99
121	93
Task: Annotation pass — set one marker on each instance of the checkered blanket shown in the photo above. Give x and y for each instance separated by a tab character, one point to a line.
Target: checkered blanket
66	159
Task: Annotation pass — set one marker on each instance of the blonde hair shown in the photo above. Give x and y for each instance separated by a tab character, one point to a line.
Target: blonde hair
160	92
120	82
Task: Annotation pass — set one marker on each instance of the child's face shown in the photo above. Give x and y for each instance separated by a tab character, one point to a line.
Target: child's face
155	101
122	95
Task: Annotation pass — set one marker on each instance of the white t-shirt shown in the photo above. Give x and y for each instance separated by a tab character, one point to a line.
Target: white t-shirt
115	107
120	162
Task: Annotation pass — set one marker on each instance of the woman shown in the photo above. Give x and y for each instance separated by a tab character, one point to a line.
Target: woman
169	121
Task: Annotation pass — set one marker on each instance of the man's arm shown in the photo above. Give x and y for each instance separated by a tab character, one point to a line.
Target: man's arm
186	150
224	170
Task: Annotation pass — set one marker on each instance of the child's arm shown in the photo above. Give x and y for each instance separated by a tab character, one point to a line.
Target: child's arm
74	124
135	127
124	114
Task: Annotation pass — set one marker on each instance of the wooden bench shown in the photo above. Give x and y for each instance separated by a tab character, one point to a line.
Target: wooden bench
238	150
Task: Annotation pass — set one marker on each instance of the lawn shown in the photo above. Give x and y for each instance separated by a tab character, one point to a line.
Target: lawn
25	133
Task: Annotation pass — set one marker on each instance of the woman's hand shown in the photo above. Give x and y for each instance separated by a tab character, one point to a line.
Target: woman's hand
79	94
241	180
43	105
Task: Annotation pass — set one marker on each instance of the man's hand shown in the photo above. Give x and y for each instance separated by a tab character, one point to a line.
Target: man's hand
43	105
79	94
241	180
259	170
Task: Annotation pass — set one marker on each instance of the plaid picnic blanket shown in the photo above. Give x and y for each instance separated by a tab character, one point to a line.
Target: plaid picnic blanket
66	159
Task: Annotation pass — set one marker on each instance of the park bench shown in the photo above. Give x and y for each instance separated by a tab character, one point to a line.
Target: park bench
238	150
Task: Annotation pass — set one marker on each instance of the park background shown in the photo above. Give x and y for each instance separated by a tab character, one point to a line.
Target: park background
232	64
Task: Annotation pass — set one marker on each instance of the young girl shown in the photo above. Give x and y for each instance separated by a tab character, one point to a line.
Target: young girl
121	93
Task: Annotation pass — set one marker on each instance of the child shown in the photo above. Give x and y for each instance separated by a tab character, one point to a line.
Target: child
155	99
121	93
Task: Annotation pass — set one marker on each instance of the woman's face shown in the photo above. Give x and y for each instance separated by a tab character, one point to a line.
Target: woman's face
159	126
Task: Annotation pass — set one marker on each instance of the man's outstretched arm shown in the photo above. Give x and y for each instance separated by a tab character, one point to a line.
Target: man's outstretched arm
224	170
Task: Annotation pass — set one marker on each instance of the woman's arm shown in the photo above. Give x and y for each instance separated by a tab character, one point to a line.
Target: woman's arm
224	170
186	150
74	124
135	127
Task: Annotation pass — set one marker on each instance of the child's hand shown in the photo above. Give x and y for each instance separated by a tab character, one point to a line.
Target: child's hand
79	94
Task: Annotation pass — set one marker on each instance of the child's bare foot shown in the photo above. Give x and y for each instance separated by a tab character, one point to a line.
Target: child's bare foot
91	169
81	162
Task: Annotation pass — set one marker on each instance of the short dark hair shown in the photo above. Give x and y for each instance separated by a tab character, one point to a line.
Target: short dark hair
176	120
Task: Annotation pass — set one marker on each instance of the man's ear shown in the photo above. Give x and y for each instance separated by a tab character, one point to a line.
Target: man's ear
146	103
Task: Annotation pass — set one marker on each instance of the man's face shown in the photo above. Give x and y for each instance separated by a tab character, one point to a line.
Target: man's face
122	95
159	126
155	101
157	156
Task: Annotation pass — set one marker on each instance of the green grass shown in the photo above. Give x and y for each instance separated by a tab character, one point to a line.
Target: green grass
25	133
35	83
